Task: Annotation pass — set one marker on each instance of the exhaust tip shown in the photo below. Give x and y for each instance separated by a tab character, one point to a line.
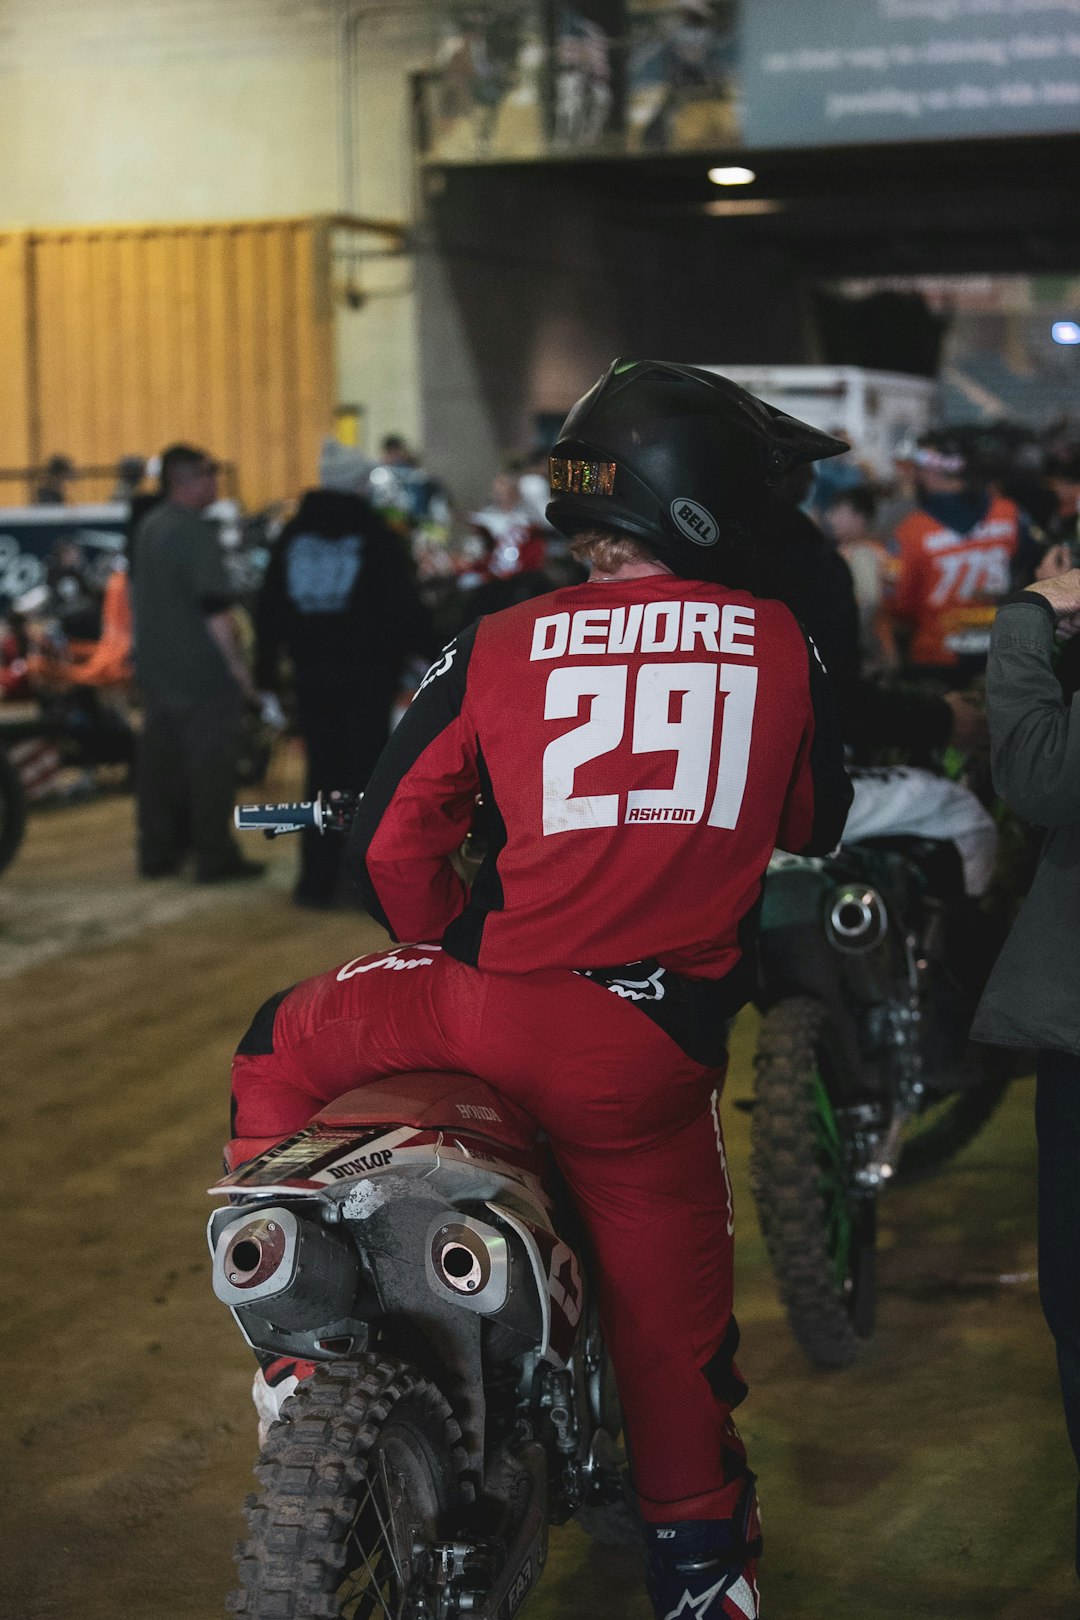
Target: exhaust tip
460	1267
253	1256
469	1260
856	919
253	1253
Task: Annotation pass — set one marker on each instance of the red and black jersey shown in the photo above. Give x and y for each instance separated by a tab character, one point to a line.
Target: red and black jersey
641	745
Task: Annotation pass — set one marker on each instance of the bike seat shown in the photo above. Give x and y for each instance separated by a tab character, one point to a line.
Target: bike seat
437	1100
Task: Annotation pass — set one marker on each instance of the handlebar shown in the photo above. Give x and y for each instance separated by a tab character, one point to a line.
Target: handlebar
332	814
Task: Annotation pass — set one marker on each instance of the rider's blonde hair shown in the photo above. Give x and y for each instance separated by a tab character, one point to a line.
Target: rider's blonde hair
607	550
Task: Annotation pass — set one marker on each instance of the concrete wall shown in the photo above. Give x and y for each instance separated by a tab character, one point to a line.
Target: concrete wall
517	315
170	110
149	110
521	289
533	282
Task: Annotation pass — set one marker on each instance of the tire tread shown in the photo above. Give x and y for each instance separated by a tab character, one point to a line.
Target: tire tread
315	1456
785	1175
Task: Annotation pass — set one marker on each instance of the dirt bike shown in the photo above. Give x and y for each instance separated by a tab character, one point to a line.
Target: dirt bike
415	1242
871	961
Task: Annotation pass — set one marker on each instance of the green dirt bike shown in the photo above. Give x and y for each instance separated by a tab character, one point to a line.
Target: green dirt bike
871	962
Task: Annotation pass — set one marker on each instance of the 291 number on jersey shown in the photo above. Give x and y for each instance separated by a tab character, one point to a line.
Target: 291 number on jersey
671	710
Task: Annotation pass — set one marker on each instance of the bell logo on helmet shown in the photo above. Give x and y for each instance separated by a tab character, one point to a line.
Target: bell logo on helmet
695	522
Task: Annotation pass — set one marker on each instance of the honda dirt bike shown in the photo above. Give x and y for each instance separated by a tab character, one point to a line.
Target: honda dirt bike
415	1243
870	968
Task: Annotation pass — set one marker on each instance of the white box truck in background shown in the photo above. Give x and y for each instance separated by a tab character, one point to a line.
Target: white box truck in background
875	411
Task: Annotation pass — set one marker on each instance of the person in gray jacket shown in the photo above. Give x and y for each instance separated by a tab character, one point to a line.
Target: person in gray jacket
1033	996
193	678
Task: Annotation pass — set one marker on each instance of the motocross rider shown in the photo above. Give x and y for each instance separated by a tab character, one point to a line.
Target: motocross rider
642	742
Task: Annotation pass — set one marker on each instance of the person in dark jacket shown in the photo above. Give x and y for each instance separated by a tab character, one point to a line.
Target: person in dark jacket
1033	996
338	596
194	681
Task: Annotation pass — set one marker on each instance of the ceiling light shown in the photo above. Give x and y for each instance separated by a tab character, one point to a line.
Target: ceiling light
1065	332
734	176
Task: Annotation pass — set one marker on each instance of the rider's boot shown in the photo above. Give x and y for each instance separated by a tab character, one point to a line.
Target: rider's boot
706	1569
275	1381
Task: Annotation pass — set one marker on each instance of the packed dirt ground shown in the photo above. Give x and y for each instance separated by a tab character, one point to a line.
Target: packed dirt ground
932	1479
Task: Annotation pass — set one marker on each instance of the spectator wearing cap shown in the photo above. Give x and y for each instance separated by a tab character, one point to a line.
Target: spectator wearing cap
193	678
339	598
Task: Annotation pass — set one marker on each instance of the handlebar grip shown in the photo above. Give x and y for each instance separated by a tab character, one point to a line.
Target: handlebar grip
274	819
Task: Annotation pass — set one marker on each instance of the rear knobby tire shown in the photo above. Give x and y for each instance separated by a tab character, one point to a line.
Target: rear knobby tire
349	1433
820	1239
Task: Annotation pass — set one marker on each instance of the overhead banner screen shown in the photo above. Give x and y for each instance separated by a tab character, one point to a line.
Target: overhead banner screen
845	72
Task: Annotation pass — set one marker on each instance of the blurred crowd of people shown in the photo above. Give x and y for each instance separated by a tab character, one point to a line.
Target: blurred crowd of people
970	515
183	651
345	598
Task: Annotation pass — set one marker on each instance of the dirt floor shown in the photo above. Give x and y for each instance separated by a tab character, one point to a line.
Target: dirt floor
933	1479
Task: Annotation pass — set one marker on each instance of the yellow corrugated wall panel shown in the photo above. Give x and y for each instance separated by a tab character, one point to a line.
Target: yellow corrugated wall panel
315	324
217	334
56	431
17	408
106	386
82	402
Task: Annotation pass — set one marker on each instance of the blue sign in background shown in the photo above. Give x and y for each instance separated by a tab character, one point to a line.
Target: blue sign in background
845	72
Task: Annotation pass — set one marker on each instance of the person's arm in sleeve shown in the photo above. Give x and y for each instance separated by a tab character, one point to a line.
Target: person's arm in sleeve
819	794
216	595
418	807
1034	733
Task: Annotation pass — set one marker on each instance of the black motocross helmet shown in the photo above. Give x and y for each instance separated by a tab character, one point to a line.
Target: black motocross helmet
682	459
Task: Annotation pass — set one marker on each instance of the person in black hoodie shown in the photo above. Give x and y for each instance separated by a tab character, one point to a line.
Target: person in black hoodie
339	598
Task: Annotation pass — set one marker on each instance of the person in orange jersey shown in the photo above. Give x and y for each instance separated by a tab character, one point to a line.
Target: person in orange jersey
958	555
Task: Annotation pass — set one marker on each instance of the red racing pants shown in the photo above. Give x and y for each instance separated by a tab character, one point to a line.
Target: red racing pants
634	1125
